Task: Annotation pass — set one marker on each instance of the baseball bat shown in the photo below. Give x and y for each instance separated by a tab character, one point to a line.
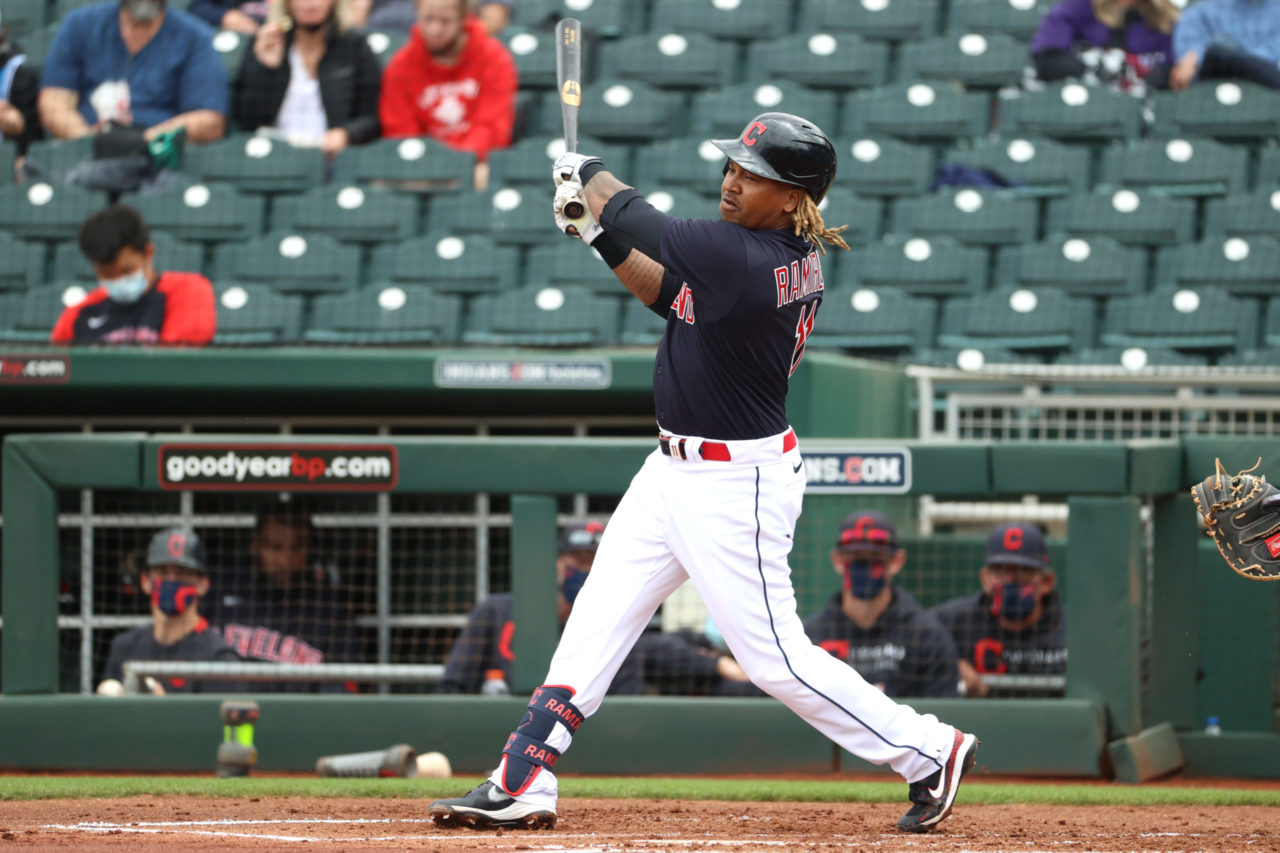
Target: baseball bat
569	83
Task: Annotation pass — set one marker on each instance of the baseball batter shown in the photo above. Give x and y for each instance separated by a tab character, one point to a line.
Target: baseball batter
718	500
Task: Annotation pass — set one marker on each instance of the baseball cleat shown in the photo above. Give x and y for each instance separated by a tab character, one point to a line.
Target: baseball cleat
488	807
933	796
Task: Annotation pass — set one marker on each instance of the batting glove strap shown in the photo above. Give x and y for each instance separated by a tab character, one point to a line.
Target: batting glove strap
568	167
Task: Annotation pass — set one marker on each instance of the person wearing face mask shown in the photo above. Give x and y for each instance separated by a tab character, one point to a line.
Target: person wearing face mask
1015	625
175	580
134	303
875	627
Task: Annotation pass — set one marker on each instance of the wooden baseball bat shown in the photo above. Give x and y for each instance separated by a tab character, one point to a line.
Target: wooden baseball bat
569	83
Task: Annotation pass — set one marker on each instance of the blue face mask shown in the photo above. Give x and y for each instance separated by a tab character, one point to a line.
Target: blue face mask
865	578
1014	601
173	597
127	289
573	581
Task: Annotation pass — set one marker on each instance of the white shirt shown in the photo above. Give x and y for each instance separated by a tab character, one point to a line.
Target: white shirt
302	112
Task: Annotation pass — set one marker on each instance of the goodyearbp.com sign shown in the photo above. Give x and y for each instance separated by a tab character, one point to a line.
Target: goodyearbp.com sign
276	467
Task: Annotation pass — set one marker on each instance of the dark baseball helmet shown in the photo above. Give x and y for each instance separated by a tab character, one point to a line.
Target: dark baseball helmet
176	546
784	148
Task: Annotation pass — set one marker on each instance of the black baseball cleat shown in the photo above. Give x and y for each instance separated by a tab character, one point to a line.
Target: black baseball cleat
489	807
933	796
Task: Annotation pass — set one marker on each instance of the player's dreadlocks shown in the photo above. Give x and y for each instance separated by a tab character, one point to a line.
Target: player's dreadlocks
808	221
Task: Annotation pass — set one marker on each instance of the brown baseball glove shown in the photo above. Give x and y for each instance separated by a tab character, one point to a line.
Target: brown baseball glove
1242	514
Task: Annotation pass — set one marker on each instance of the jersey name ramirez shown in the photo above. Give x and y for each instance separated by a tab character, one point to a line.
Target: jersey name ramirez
801	279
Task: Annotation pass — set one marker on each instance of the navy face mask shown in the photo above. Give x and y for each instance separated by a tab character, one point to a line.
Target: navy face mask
572	584
1014	601
865	578
173	597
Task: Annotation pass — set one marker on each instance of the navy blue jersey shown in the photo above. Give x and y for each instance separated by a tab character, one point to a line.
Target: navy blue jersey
202	644
980	639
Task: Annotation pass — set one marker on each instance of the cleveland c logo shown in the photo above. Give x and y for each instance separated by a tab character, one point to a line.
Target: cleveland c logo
1013	539
753	133
177	545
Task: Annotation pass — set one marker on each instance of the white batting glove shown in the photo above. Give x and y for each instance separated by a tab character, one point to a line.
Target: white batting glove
584	227
568	167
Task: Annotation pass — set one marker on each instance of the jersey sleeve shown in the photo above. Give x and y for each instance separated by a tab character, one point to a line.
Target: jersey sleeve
712	257
190	315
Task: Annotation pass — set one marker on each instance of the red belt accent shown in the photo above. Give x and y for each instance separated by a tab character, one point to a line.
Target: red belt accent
713	451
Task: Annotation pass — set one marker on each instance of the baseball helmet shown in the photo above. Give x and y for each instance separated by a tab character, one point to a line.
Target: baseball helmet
786	148
176	546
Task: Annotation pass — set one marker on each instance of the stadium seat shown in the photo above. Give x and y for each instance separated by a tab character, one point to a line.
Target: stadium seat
1244	214
256	164
62	8
887	20
862	215
290	262
992	218
535	57
916	111
8	152
386	314
690	161
508	215
882	321
50	159
1079	266
939	266
255	314
1268	168
821	60
1043	319
387	44
743	20
1132	217
1241	266
974	60
34	312
1017	18
722	113
640	326
1201	318
621	111
973	357
1045	167
230	47
36	44
21	264
70	264
543	316
672	59
682	202
884	166
1179	167
1224	110
1271	332
608	18
1134	358
348	213
567	263
464	265
41	211
529	161
412	164
206	212
1269	357
23	17
1072	111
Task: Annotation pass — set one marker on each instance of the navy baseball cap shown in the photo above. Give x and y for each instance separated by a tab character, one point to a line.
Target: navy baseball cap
867	530
1017	544
176	546
581	536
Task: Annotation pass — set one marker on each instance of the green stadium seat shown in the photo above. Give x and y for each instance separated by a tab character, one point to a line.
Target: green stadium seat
884	166
529	161
862	215
821	60
973	357
70	264
690	161
672	59
23	17
1244	214
386	314
744	20
535	57
1042	319
36	44
412	164
230	47
607	18
1047	168
874	321
1179	167
938	266
1072	111
992	218
543	316
508	215
255	314
974	60
722	113
916	111
34	312
51	158
682	202
256	164
1224	110
290	262
1241	266
1079	266
1134	358
887	20
349	213
1201	318
1130	216
640	326
567	263
1017	18
387	44
446	262
41	211
8	153
621	111
62	8
1271	334
1258	357
21	264
210	213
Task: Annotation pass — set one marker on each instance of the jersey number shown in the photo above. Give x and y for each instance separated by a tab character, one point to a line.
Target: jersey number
804	328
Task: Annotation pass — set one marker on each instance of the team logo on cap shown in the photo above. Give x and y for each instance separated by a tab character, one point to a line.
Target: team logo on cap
754	132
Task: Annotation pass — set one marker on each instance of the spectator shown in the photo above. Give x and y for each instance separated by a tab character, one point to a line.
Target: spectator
398	15
282	606
1116	41
453	82
133	63
1228	38
688	662
239	16
310	78
133	303
875	627
19	89
1015	625
175	580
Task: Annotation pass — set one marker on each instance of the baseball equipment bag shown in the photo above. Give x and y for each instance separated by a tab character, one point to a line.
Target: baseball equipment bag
1242	514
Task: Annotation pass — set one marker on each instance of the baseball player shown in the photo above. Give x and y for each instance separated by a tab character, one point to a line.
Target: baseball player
717	500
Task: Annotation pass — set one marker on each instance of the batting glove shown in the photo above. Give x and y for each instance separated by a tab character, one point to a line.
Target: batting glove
584	227
568	167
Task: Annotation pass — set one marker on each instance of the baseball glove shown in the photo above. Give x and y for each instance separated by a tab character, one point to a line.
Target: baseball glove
1242	514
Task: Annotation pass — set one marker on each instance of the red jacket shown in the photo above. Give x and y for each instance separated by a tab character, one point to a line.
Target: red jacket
178	311
470	105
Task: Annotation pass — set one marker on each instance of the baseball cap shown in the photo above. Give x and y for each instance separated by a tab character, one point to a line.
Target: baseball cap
581	536
867	530
1019	544
176	546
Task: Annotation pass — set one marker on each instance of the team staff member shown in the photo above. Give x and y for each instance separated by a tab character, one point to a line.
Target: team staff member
133	303
1015	624
875	627
717	501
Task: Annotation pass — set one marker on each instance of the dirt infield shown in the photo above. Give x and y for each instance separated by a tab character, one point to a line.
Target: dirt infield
190	823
